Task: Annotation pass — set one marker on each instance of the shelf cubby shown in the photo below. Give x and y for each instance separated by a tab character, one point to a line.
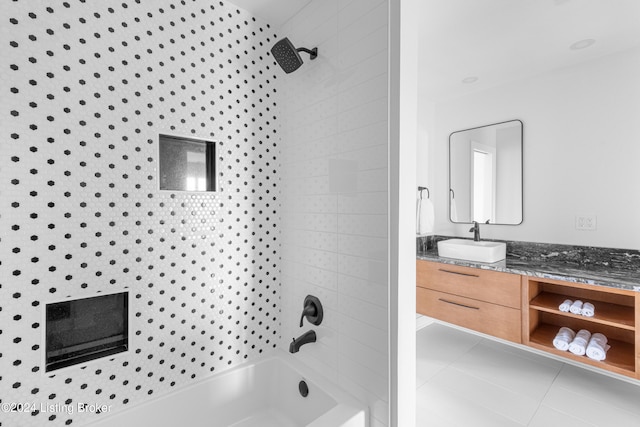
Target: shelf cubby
615	317
606	313
620	357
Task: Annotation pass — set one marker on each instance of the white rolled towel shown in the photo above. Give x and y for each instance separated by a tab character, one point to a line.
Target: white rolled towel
565	306
579	344
588	309
598	347
576	307
563	338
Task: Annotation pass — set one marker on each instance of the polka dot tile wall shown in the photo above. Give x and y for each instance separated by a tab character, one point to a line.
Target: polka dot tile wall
86	89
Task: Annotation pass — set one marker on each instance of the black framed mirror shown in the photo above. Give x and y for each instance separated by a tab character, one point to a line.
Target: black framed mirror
485	174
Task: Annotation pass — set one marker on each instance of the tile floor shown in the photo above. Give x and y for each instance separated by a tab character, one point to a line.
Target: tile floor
466	380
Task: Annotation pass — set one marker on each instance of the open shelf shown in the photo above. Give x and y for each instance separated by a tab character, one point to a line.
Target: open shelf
606	313
620	357
615	317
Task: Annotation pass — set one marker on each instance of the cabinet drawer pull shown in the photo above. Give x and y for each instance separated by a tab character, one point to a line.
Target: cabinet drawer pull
458	304
457	272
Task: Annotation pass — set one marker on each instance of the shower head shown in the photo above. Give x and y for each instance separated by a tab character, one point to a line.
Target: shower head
287	55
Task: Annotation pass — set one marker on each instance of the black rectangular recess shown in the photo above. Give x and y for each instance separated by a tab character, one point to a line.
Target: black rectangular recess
85	329
186	164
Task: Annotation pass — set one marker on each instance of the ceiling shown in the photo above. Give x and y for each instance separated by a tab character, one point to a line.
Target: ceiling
274	12
499	41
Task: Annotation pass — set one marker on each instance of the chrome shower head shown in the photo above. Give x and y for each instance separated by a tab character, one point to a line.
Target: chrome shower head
287	55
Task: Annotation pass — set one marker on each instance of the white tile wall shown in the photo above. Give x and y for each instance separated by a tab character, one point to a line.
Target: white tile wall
334	193
86	88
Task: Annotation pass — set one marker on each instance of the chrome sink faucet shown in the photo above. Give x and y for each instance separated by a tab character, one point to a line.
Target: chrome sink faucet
476	231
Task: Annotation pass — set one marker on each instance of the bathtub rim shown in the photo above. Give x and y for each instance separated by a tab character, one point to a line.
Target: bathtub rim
344	400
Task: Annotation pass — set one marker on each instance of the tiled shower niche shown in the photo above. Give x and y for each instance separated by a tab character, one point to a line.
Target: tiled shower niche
81	330
186	164
87	89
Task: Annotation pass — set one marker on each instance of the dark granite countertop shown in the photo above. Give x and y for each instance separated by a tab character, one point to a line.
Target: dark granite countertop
614	268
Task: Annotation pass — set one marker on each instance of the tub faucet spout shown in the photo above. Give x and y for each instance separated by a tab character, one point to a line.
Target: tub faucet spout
306	338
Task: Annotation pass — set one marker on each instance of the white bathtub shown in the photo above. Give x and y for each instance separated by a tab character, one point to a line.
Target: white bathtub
260	394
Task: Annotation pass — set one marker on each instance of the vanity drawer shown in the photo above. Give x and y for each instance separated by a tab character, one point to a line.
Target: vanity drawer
491	319
484	285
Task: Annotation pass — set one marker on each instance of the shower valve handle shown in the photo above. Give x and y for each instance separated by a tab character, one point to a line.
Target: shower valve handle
312	310
309	310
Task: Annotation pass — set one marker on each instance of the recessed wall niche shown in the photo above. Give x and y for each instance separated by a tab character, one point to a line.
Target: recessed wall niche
85	329
186	164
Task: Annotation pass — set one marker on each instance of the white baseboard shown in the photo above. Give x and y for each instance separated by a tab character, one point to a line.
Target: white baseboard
422	321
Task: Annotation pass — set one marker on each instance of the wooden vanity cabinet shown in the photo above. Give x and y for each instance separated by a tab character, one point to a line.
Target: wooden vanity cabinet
481	300
524	310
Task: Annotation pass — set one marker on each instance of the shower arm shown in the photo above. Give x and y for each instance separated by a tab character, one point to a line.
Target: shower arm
313	53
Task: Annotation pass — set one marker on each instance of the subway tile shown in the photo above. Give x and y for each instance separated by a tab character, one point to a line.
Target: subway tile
374	203
326	30
361	94
361	332
373	180
317	128
367	21
363	246
363	71
316	240
363	225
371	314
320	277
324	222
354	11
373	381
343	176
373	157
374	293
371	359
317	258
363	268
314	185
361	138
312	16
319	203
352	54
363	115
336	155
320	108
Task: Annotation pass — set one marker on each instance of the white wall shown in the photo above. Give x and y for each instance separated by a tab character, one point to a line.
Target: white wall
334	194
581	151
425	170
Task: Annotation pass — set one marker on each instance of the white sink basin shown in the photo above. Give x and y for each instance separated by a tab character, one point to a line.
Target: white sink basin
482	251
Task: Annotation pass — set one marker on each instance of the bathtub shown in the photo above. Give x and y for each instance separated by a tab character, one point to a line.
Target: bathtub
264	393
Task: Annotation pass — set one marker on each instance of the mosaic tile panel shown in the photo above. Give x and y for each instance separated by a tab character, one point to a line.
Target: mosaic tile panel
86	89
